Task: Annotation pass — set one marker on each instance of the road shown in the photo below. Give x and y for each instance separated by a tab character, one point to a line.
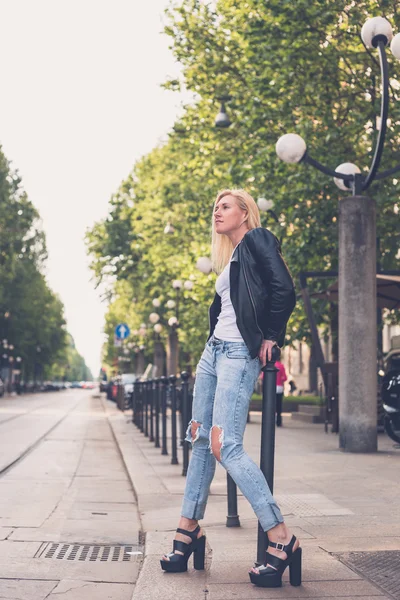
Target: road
68	515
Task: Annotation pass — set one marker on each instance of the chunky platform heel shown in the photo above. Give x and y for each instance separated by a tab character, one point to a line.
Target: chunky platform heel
177	563
271	575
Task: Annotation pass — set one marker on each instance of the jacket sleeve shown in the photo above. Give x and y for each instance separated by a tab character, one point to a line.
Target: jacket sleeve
273	270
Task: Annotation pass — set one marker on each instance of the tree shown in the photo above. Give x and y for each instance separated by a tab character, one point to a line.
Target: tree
31	315
288	67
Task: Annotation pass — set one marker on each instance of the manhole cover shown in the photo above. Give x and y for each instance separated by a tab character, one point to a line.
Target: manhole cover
85	552
381	568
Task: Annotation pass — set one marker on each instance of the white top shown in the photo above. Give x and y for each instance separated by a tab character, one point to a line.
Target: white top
226	328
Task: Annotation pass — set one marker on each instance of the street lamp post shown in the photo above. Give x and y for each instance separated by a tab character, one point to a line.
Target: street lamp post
357	264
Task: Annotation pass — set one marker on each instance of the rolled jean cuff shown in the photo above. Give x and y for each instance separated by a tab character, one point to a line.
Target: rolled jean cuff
193	510
269	516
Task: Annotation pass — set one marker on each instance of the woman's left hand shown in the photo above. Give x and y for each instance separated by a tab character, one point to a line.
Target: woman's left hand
265	353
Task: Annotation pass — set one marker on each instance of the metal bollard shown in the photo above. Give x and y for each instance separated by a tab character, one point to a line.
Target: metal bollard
232	519
141	407
146	407
157	411
185	419
174	458
163	395
135	404
151	404
267	454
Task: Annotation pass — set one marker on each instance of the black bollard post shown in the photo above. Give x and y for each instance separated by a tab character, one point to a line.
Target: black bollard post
146	407
185	419
157	411
135	403
174	458
151	398
267	453
179	408
232	520
141	407
142	399
163	393
138	404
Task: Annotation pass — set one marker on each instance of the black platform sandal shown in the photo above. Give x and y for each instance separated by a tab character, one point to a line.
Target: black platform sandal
272	577
177	563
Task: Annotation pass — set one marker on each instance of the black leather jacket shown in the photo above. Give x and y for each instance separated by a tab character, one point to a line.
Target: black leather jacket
261	288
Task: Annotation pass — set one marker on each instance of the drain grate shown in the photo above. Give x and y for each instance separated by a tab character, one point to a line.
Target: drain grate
382	568
85	552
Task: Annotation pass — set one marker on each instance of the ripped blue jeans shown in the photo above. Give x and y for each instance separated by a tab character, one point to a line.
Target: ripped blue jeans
225	379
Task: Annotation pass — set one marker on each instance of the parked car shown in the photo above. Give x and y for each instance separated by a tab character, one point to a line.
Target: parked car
127	380
2	387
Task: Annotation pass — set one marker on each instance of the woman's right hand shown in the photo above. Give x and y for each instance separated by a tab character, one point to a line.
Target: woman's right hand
265	352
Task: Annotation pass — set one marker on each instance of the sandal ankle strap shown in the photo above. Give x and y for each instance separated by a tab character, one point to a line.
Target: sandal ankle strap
191	534
282	547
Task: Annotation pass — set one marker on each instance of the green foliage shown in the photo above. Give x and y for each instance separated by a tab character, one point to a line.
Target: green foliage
70	365
295	399
289	67
31	315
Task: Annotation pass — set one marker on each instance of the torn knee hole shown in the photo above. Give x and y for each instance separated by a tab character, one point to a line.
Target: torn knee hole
216	441
194	430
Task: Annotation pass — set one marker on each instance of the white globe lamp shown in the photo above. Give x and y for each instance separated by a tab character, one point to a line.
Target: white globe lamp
204	265
264	204
291	148
375	29
346	169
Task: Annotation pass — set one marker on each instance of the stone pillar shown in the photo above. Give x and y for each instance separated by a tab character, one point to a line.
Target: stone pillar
159	358
172	353
357	325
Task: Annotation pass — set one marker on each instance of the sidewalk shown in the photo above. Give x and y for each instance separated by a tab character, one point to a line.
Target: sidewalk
339	505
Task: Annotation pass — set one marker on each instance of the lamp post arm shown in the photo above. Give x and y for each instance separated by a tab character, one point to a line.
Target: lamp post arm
384	114
388	172
314	163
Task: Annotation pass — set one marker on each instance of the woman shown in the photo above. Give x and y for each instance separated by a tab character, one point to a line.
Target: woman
280	380
254	299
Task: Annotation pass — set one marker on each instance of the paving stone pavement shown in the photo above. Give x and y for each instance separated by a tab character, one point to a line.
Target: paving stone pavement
69	487
88	482
334	502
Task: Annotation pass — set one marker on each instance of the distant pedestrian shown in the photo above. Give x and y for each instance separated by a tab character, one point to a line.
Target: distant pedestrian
293	386
280	380
254	298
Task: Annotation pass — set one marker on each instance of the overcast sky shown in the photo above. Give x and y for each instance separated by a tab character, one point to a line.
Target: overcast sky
81	102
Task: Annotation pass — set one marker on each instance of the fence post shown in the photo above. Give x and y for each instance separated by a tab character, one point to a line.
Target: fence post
151	398
163	391
157	410
174	458
135	404
185	419
146	408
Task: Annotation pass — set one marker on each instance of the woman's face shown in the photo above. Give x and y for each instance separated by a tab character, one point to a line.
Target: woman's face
228	216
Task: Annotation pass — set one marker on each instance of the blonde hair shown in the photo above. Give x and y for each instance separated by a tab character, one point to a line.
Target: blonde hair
221	245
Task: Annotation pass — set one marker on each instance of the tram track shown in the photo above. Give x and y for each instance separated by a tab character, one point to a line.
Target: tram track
6	469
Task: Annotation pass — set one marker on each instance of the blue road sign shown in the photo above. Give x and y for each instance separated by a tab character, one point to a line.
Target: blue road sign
122	331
